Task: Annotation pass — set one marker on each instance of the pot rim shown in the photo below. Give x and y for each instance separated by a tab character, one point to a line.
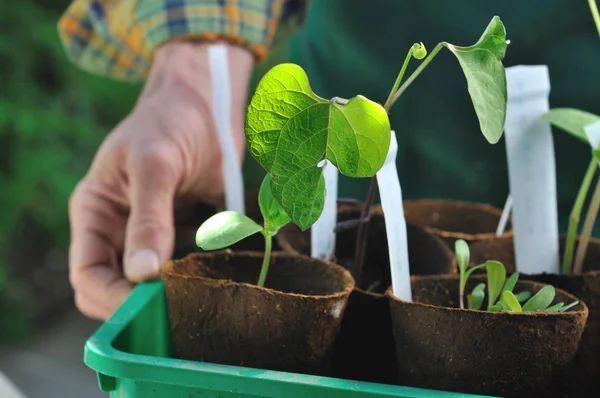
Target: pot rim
167	268
584	311
462	204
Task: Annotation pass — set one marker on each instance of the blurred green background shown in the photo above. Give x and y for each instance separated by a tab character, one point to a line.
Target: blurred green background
53	116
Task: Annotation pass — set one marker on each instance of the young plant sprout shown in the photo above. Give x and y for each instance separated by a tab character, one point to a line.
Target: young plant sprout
573	121
500	290
229	227
293	133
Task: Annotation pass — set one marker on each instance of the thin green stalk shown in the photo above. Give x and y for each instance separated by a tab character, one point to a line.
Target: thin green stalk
586	232
388	102
266	261
417	72
595	14
575	214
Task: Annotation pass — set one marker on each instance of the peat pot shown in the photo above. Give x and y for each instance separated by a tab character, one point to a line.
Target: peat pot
440	346
585	368
219	315
365	348
452	220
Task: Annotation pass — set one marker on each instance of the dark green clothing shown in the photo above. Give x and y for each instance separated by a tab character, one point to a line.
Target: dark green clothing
351	47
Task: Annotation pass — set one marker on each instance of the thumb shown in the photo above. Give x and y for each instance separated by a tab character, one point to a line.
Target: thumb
150	234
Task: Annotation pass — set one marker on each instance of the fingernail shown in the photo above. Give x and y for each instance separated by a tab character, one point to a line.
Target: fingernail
141	265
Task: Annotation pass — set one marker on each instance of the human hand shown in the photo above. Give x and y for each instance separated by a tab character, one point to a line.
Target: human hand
163	157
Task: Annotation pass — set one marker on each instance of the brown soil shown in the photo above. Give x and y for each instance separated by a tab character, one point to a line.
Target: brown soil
500	354
454	220
585	369
219	315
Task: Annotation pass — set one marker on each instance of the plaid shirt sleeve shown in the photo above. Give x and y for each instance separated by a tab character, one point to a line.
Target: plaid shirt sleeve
116	38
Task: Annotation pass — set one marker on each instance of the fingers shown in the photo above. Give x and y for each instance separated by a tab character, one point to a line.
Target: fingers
149	237
97	228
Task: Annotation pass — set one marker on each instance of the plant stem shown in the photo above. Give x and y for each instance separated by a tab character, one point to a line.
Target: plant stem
575	214
361	234
595	14
266	261
586	232
388	102
417	72
461	300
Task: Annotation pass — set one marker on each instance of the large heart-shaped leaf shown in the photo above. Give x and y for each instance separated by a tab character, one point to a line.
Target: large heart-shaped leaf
292	132
573	121
482	65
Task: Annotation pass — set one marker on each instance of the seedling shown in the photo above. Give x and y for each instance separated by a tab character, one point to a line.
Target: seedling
573	121
500	289
229	227
293	133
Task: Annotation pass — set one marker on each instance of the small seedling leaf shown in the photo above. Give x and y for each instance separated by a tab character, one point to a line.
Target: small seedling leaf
225	229
482	66
511	282
495	308
523	296
496	275
473	269
573	121
292	133
555	307
566	307
511	301
541	300
274	215
463	254
475	299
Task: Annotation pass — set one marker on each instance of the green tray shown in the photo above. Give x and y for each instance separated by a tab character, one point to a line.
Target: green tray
131	355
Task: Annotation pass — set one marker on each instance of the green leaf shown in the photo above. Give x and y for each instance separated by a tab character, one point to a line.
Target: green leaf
511	282
511	301
461	248
224	229
566	307
482	65
523	296
541	299
571	120
556	307
473	269
496	275
495	308
475	299
596	153
290	131
273	214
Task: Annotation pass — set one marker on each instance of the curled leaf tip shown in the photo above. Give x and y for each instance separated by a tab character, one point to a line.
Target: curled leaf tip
418	50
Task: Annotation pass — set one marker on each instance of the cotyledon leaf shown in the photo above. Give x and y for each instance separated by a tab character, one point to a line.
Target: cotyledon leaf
293	133
486	78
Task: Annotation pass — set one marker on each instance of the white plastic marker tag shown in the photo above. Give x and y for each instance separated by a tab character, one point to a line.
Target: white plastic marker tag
221	88
504	216
592	131
532	170
395	224
322	233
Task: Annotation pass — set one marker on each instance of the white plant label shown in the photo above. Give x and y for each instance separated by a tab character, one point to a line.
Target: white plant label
322	232
221	91
592	131
532	170
390	193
